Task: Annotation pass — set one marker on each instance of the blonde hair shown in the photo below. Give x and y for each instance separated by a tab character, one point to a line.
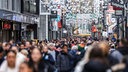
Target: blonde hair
24	52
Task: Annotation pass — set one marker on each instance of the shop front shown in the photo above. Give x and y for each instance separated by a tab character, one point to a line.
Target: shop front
10	26
29	27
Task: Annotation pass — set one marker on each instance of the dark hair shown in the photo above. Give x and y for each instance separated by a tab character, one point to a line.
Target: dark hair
32	47
1	50
7	44
63	45
124	42
40	64
96	52
35	48
11	51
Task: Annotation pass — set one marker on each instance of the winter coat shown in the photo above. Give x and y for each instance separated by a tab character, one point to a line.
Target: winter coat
95	66
48	58
116	54
63	62
42	66
123	50
81	47
1	60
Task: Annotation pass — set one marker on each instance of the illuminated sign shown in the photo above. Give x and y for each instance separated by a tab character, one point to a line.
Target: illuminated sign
6	26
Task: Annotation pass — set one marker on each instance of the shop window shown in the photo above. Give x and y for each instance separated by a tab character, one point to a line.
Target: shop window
16	27
30	6
5	4
10	5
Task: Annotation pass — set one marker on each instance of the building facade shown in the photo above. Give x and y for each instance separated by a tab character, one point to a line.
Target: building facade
30	8
49	20
13	18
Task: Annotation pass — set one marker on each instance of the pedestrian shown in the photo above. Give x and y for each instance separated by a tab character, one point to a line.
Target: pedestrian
22	46
81	46
123	47
1	55
27	45
36	60
10	64
75	55
25	67
47	57
51	50
115	53
104	45
97	61
19	56
64	60
6	46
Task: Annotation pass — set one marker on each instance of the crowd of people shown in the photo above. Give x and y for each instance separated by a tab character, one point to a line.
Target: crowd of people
65	55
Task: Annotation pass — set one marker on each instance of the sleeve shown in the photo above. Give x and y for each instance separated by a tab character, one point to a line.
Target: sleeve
3	66
51	58
58	63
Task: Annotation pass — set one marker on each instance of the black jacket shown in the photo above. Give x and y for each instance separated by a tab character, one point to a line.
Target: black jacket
1	60
123	50
48	58
64	62
95	66
42	66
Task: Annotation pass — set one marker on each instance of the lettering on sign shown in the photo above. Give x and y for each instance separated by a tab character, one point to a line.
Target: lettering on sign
119	12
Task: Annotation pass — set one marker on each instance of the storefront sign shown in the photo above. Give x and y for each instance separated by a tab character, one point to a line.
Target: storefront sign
6	26
17	17
119	13
6	15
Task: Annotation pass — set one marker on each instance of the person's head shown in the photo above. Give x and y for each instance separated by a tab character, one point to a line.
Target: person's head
64	48
82	42
89	43
11	42
123	43
1	52
3	44
75	47
14	48
24	52
22	46
25	67
96	52
45	49
6	46
28	44
104	45
51	46
112	45
33	43
36	55
11	58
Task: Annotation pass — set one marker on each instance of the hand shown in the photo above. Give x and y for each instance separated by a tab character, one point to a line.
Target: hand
58	49
78	53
